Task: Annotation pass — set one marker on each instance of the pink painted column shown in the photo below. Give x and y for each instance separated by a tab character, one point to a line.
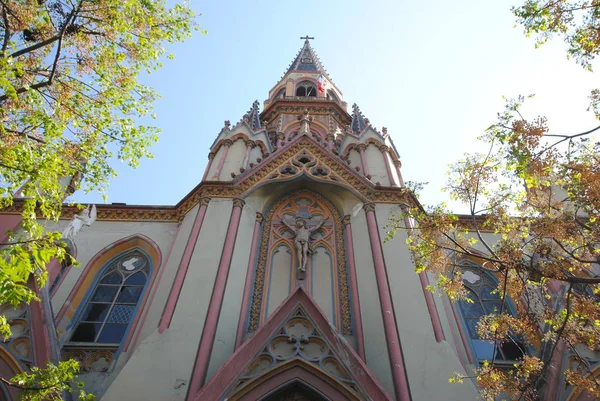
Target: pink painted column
165	320
227	143
155	285
239	338
401	386
211	157
216	301
363	159
388	164
398	164
249	145
429	300
360	341
555	370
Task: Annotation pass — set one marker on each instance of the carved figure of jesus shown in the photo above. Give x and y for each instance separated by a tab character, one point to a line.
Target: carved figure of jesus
302	240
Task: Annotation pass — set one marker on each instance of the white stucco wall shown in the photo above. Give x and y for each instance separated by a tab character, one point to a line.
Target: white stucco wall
168	358
377	167
355	161
234	160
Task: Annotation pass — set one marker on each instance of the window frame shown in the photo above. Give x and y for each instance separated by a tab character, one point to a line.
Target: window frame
306	84
486	280
90	291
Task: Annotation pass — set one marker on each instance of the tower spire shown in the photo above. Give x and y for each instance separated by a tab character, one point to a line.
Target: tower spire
307	60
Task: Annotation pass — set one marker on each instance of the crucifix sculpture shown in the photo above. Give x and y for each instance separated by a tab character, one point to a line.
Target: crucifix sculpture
307	37
302	241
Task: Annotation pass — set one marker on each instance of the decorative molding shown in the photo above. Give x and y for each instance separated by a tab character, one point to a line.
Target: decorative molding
246	183
250	143
204	201
361	147
211	155
384	148
227	142
259	217
91	360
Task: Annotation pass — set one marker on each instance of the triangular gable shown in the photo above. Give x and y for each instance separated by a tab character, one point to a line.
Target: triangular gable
297	333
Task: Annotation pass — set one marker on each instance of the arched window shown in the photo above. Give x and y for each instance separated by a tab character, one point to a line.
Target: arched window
306	89
485	301
112	303
280	94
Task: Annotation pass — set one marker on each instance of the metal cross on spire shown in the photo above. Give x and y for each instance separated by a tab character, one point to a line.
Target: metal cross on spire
307	37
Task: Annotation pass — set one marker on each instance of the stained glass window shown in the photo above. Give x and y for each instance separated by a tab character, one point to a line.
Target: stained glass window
484	301
113	301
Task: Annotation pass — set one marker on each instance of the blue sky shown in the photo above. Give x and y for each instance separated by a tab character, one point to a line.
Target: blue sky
433	73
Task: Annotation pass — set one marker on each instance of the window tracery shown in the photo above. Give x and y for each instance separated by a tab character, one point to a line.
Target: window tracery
112	303
306	89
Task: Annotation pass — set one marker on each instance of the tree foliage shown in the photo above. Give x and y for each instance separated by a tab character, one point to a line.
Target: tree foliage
70	102
533	222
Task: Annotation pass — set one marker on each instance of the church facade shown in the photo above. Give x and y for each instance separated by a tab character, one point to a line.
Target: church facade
269	281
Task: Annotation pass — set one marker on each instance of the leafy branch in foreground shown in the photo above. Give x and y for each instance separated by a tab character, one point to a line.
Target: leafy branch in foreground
534	210
70	100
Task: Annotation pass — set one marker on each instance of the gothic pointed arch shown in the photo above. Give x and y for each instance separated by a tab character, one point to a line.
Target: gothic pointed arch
277	268
296	348
101	313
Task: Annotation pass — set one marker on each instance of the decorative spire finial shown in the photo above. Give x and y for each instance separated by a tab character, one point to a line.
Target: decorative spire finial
252	117
358	120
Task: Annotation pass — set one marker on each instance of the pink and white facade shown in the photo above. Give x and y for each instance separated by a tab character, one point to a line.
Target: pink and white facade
203	300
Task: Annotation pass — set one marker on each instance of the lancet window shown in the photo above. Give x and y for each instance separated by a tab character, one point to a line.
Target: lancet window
483	300
112	303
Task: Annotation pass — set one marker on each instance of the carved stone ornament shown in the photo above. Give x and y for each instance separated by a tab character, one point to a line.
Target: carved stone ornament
384	148
250	143
347	219
361	147
397	163
227	142
369	207
259	217
211	155
298	338
204	201
263	253
237	202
